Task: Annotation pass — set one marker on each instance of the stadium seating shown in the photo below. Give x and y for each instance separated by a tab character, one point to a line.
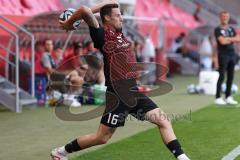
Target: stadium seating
215	7
28	7
169	13
175	19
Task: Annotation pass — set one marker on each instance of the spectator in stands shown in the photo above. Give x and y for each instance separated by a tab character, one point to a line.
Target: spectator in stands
76	61
148	54
47	57
148	51
197	11
58	55
39	49
73	69
90	50
187	52
138	51
78	49
95	73
178	42
206	52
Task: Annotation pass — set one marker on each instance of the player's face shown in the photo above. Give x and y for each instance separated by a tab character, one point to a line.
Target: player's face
224	18
116	19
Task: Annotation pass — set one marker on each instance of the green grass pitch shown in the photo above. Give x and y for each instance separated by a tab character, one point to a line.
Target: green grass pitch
207	134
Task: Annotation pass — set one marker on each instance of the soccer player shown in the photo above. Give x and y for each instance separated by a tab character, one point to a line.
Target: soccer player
120	76
226	37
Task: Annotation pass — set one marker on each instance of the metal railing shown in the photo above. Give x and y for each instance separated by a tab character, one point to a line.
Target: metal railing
17	103
32	53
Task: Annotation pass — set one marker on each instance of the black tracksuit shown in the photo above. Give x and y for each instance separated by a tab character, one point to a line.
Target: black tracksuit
226	58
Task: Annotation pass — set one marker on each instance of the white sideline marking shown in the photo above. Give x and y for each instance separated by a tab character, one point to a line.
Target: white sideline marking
233	154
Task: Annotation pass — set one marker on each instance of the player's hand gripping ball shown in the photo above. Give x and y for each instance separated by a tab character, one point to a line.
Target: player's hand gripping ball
65	15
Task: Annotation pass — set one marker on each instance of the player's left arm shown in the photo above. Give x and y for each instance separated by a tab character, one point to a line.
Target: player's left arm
235	38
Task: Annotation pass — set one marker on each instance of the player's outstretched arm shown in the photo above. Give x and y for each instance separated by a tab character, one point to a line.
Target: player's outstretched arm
87	14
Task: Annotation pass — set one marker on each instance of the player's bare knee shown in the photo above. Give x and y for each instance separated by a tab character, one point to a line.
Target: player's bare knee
164	122
159	118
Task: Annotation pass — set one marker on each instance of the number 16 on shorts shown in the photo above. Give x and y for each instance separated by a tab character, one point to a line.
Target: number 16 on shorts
112	119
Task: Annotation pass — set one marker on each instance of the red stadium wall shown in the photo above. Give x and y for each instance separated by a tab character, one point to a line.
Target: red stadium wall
20	11
28	7
175	20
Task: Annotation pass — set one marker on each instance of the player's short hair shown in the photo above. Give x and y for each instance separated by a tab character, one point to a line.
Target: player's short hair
223	12
107	10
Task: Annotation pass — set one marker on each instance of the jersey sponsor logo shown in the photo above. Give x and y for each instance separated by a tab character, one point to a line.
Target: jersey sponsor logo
223	32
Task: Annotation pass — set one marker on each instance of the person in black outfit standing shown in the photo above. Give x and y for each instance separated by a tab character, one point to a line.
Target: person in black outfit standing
226	37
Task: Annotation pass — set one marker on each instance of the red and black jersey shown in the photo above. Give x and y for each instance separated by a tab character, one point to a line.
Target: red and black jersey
119	60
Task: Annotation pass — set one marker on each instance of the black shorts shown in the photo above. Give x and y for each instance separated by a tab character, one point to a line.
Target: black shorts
120	101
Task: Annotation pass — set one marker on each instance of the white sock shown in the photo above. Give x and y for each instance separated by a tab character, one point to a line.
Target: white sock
62	150
182	157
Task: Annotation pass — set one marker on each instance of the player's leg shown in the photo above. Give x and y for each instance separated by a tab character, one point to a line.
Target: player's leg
230	77
102	136
222	68
113	117
159	118
146	109
156	116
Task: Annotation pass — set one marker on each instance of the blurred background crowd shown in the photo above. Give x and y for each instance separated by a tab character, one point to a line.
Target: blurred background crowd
178	34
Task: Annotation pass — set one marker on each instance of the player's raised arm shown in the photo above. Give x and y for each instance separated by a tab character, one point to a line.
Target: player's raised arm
87	14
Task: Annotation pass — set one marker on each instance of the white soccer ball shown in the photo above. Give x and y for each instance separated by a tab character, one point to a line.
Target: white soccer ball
66	14
191	89
234	88
76	24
